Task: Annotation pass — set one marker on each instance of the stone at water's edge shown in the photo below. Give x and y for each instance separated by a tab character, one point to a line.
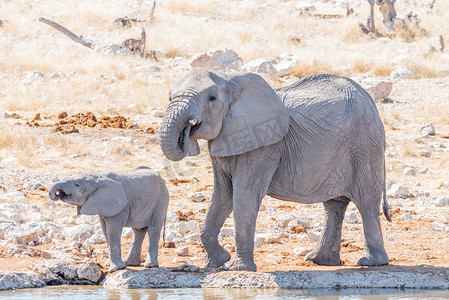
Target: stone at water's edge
373	277
356	277
20	280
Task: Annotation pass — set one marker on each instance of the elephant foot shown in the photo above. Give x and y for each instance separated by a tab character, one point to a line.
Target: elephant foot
378	258
217	259
150	264
324	259
238	264
117	265
132	261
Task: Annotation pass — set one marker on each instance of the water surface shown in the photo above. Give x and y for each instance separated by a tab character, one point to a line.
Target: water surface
98	292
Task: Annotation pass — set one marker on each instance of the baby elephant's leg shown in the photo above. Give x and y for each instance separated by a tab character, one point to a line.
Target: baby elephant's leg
133	257
154	233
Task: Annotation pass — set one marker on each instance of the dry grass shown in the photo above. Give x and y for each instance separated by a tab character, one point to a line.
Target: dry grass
90	81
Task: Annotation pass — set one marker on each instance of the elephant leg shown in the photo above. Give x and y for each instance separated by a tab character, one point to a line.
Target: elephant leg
105	233
328	250
219	209
374	253
114	227
154	235
133	257
246	208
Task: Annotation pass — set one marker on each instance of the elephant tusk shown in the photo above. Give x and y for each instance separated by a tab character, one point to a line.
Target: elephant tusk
193	122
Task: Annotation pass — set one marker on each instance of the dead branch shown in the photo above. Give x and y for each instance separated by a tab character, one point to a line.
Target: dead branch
71	35
152	12
432	4
370	22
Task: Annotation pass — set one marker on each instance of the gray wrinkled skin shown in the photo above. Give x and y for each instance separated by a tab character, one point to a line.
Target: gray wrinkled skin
136	198
318	140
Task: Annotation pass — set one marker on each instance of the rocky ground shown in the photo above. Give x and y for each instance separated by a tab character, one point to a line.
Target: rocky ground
55	123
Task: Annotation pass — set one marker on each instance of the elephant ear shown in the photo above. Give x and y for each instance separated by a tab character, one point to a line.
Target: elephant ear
107	200
256	117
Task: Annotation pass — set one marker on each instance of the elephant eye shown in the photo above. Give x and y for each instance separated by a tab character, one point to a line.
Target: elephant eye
77	185
212	98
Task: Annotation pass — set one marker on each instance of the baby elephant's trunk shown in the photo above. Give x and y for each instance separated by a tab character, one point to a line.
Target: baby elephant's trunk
56	192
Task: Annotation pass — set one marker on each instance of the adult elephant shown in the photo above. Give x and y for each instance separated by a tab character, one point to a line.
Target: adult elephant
318	140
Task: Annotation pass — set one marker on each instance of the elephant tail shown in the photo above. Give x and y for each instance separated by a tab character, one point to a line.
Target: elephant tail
385	203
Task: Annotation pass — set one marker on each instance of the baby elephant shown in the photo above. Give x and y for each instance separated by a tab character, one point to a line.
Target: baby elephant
135	198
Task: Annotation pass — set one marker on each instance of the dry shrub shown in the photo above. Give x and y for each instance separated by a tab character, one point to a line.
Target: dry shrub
423	70
303	69
191	7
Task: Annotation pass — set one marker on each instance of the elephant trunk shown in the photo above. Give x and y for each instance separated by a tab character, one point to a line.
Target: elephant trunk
175	130
56	192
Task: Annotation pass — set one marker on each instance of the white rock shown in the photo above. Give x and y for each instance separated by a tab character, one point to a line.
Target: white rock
261	66
442	202
380	90
185	227
96	239
9	160
409	171
437	226
123	139
33	76
406	216
67	220
26	233
429	129
16	217
55	75
193	237
182	251
157	113
305	7
272	238
423	171
401	72
226	232
132	106
398	190
127	232
172	217
197	197
286	64
313	237
217	60
299	222
257	242
186	268
191	162
284	220
425	153
352	218
13	196
79	233
262	207
20	280
301	251
90	271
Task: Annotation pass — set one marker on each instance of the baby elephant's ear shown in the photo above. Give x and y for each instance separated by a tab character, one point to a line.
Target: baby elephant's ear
107	200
